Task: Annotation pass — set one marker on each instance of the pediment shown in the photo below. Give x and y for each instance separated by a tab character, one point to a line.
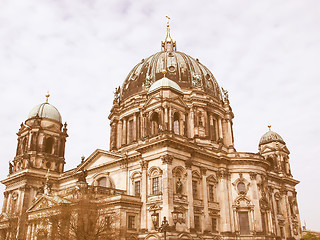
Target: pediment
97	159
175	100
45	202
4	217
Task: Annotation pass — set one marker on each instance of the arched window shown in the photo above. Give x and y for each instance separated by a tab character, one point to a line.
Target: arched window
102	182
155	180
155	124
271	162
105	182
176	125
49	145
25	145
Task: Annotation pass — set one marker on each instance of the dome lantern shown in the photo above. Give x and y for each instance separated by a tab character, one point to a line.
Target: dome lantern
168	45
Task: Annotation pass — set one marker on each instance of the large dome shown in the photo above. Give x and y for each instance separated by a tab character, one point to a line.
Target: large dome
181	68
45	110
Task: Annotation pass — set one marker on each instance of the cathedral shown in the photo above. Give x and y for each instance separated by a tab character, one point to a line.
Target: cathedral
172	171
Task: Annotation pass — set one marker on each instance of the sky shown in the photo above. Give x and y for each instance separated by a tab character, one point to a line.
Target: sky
265	53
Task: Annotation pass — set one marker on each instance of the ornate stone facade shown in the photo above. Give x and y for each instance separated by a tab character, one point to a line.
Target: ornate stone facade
171	155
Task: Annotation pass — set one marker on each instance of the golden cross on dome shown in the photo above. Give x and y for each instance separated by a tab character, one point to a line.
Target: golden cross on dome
269	126
168	19
47	96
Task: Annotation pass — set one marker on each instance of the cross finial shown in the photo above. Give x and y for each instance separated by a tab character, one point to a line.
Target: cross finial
47	96
168	21
269	126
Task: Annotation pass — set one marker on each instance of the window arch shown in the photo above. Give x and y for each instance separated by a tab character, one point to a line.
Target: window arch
49	145
176	123
196	184
212	191
136	183
179	175
105	181
243	212
270	160
155	180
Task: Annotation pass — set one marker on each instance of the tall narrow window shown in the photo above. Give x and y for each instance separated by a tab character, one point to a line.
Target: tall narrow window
176	125
264	222
102	182
108	222
197	223
278	206
155	124
137	188
131	222
282	232
130	133
155	186
195	189
214	225
49	145
244	223
211	193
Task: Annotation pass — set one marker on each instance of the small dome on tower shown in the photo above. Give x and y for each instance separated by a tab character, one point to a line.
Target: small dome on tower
270	136
46	110
164	83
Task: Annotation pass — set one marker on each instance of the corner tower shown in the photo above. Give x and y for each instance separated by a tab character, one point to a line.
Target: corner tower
40	151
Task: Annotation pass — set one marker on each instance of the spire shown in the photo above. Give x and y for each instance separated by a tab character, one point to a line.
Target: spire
269	126
47	96
168	45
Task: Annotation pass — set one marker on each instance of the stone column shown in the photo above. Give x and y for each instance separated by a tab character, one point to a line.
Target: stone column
225	221
191	123
119	134
113	135
288	212
5	201
220	128
29	232
170	120
134	127
167	187
207	222
166	119
190	218
255	201
144	193
124	131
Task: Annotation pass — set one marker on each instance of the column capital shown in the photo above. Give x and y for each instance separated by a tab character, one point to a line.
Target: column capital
188	164
203	171
223	173
167	159
143	164
253	175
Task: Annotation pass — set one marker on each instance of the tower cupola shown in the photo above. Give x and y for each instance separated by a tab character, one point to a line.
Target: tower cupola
41	140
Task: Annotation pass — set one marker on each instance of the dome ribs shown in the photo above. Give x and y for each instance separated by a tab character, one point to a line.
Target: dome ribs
181	68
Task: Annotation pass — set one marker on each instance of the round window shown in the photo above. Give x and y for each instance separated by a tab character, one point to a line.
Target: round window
241	187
